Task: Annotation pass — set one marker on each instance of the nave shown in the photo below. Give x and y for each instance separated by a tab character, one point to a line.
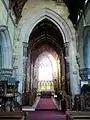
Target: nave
46	109
44	47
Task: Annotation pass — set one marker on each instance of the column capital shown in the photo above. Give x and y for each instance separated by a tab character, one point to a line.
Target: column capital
66	44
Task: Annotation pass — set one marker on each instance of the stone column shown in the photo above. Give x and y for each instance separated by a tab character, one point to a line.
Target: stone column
26	62
62	72
74	74
30	83
67	67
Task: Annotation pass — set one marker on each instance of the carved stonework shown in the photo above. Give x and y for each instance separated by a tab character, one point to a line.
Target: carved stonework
87	101
17	6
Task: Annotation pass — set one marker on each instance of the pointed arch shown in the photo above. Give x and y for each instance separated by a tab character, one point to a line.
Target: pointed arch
53	63
52	16
68	34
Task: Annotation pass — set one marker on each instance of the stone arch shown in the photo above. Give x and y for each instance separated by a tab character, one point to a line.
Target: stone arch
68	37
52	16
28	26
6	48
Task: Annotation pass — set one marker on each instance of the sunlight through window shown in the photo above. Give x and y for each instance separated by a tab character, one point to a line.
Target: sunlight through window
45	70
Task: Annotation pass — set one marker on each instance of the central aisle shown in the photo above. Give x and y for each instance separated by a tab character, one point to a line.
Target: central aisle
46	110
46	115
46	104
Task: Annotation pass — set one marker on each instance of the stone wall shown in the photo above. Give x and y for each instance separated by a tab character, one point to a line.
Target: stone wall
81	25
7	19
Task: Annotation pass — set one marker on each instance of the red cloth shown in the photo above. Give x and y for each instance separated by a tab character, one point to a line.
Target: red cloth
46	103
46	115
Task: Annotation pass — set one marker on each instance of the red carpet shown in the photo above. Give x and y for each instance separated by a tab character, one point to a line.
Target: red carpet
46	115
46	104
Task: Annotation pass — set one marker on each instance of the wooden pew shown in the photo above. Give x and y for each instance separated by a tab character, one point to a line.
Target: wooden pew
17	115
78	115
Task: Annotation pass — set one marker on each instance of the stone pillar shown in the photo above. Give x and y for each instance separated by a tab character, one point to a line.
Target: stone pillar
59	74
67	67
33	76
74	72
28	73
62	72
26	63
30	85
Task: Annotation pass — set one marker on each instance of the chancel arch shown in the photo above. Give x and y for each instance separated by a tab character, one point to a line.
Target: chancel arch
68	38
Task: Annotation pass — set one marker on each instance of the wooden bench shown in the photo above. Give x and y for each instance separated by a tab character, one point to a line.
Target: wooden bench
78	115
19	115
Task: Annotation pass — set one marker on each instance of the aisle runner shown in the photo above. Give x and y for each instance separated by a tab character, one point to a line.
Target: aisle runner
44	111
46	104
46	115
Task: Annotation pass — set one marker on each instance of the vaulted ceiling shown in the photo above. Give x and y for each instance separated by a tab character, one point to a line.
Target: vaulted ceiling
74	7
45	37
45	33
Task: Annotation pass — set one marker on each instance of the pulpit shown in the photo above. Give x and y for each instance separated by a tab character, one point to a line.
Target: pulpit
8	91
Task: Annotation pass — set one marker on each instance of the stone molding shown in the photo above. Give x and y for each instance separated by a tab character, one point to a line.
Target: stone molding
7	47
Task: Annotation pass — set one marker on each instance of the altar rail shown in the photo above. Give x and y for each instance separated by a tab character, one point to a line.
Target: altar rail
77	115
